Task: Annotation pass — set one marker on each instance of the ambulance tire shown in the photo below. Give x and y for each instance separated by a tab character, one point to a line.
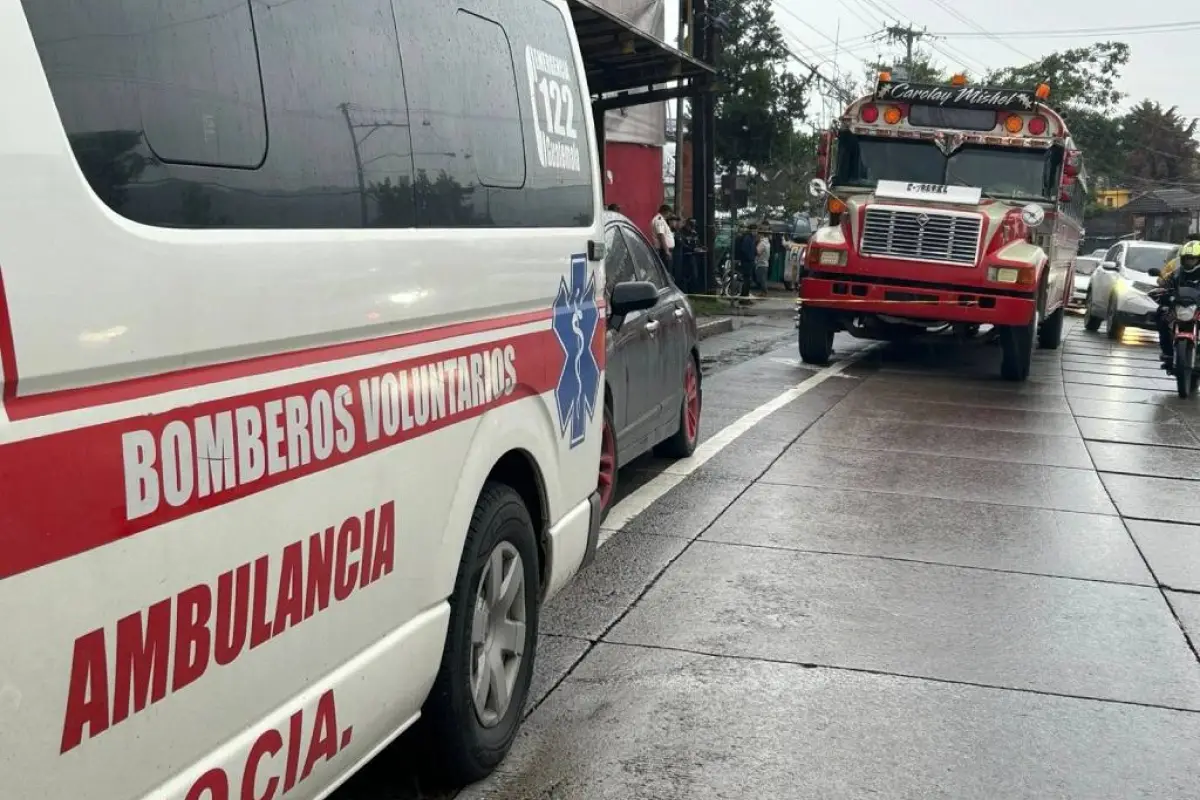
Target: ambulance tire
464	749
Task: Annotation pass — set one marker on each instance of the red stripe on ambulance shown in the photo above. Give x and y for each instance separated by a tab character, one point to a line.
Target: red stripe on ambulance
69	492
37	405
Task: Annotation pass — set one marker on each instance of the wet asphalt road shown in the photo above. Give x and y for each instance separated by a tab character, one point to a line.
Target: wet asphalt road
913	581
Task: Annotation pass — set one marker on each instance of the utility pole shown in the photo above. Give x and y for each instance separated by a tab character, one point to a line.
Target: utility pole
908	35
684	43
362	183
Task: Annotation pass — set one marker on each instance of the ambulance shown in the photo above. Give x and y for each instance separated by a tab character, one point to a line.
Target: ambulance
301	385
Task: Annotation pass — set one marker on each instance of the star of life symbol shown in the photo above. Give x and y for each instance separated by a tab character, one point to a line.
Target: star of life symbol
575	319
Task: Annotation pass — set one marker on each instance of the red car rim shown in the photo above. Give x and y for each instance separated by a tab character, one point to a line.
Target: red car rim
691	389
608	465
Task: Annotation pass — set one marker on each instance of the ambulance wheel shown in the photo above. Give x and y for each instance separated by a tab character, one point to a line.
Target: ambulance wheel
479	695
1050	334
816	337
1016	347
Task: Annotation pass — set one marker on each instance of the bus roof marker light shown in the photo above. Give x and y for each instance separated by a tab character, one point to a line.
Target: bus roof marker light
1043	91
885	77
958	79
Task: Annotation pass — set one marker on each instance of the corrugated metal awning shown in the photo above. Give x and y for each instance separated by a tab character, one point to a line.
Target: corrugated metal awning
618	57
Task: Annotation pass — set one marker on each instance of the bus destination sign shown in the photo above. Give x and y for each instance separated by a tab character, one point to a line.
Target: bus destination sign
980	98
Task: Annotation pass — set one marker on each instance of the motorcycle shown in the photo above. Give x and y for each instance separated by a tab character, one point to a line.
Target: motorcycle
729	280
1183	304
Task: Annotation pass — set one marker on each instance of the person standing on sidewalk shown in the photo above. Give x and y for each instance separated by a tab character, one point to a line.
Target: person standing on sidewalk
744	249
762	260
664	236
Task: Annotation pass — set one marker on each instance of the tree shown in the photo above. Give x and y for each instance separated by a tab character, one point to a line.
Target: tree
1083	88
760	100
782	185
1082	77
1159	145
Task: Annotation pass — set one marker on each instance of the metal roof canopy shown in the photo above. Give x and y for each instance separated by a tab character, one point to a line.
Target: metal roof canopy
628	67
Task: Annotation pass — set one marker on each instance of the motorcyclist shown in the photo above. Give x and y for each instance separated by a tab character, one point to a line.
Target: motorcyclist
1183	270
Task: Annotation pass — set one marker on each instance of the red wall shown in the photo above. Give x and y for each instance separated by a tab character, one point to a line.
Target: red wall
634	181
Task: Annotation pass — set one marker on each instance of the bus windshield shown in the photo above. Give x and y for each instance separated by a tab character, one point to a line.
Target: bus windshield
999	171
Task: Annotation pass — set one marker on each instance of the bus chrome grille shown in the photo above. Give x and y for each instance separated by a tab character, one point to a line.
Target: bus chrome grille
921	235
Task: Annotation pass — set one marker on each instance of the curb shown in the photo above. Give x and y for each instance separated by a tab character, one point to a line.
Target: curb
713	326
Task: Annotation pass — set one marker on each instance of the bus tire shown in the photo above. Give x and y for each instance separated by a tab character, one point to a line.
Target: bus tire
816	337
1050	334
1016	347
471	738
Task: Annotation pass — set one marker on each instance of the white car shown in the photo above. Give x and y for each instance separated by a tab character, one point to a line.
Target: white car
1117	291
1084	267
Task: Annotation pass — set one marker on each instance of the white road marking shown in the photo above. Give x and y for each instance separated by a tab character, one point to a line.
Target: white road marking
642	498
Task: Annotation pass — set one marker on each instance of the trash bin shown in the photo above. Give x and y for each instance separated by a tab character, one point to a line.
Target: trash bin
775	272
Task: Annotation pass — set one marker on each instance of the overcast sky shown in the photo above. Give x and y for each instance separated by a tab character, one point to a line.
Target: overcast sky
1161	65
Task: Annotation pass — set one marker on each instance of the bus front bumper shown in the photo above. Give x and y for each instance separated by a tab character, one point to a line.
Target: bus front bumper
918	301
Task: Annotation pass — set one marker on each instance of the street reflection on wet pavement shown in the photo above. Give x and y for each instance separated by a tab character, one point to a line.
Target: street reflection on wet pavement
914	580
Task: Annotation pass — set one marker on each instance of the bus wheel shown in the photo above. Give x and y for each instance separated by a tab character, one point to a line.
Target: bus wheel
1050	334
1016	345
479	695
816	336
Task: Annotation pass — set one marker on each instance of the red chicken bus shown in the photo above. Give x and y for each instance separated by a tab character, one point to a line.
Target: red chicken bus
950	206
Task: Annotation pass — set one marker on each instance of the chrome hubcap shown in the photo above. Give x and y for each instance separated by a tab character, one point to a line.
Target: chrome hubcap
497	634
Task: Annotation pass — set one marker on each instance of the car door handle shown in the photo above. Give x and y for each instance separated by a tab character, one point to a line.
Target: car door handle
652	326
679	313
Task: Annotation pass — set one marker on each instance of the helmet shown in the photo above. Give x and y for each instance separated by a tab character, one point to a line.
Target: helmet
1189	257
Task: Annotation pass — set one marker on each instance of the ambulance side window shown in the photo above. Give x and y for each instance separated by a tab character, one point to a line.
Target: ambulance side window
145	87
497	115
341	150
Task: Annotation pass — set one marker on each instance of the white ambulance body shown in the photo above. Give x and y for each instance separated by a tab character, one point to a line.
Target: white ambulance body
300	353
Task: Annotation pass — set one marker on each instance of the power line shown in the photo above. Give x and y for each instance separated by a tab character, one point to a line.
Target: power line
1129	30
820	33
942	4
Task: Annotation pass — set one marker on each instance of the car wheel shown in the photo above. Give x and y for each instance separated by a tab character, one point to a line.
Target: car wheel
1113	327
683	443
478	697
1091	322
606	480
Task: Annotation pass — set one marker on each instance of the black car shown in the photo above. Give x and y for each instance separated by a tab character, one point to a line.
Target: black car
652	397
